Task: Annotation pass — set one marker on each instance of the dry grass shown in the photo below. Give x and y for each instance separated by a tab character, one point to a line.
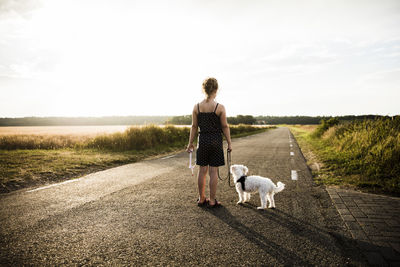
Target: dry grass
62	130
133	138
30	159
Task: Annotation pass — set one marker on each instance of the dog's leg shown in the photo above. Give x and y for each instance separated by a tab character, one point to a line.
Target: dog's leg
263	200
269	200
270	197
246	197
273	200
240	193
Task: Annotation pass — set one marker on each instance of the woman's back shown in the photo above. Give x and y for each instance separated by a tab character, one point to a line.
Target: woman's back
208	106
211	119
208	120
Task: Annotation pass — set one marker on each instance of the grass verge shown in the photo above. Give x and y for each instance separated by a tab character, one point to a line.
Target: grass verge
24	168
352	155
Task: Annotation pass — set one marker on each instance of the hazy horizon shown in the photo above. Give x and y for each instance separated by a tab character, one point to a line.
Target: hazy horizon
278	58
170	116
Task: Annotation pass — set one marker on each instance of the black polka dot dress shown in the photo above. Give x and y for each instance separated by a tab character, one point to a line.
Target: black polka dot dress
210	150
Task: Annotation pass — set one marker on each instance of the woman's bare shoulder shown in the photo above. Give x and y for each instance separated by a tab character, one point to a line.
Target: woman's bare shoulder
220	109
195	108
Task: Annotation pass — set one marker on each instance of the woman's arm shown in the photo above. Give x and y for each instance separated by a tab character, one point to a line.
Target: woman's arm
193	130
225	127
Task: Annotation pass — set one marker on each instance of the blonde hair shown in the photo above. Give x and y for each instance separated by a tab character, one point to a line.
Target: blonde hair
210	85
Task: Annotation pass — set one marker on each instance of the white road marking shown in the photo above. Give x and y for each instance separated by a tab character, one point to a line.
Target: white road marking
53	185
291	153
291	145
294	175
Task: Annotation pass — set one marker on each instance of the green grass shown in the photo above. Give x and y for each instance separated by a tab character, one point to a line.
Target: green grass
22	168
31	159
363	154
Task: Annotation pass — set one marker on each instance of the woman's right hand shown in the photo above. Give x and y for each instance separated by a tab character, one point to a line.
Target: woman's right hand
190	148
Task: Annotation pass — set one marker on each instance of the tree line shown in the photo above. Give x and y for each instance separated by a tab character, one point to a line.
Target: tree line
176	120
274	120
239	119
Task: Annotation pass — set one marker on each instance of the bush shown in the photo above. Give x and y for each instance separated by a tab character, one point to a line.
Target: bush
325	125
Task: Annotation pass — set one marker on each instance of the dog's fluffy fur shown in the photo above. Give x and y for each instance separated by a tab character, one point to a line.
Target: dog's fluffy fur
266	188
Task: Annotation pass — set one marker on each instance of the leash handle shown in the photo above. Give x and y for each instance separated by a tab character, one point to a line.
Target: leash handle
190	162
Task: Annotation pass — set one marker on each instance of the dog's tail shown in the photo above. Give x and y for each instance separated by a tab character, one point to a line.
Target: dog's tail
279	187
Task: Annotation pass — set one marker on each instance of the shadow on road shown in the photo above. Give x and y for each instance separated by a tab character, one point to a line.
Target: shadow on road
323	239
282	255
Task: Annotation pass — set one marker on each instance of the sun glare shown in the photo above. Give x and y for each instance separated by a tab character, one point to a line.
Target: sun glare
96	58
105	60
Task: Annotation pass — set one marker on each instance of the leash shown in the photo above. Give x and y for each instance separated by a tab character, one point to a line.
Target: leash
190	161
228	177
228	159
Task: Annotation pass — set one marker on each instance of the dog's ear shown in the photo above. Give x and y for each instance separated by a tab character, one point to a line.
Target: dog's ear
245	170
233	168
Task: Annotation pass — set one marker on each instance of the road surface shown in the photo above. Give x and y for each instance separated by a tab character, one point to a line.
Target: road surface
146	214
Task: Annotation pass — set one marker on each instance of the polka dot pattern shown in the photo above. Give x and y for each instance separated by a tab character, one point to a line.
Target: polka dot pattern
210	150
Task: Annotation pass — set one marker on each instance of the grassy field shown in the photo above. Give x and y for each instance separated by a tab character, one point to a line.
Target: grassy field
363	155
37	158
62	130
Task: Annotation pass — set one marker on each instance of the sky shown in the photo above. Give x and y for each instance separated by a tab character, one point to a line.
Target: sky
126	57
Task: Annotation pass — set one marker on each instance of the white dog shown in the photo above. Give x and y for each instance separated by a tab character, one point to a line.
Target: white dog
246	184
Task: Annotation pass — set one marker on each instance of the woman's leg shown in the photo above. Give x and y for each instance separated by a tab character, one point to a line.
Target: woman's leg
213	184
201	180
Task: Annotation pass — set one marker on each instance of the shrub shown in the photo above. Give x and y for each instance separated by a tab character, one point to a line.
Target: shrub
324	126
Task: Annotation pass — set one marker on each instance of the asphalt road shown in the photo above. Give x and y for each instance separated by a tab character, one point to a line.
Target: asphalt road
146	214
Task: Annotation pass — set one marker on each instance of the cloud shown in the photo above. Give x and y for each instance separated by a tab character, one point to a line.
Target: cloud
392	74
19	7
22	51
298	59
386	82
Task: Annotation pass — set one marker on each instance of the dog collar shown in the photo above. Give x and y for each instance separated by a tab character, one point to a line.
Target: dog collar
241	180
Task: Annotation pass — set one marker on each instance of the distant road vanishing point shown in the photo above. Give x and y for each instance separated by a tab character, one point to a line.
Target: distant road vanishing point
146	213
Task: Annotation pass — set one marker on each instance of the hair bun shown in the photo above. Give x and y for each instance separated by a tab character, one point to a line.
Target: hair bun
210	85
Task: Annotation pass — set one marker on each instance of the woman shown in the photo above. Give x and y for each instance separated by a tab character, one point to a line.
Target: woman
210	117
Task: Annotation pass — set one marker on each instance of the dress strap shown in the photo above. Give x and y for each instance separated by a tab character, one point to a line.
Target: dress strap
216	108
